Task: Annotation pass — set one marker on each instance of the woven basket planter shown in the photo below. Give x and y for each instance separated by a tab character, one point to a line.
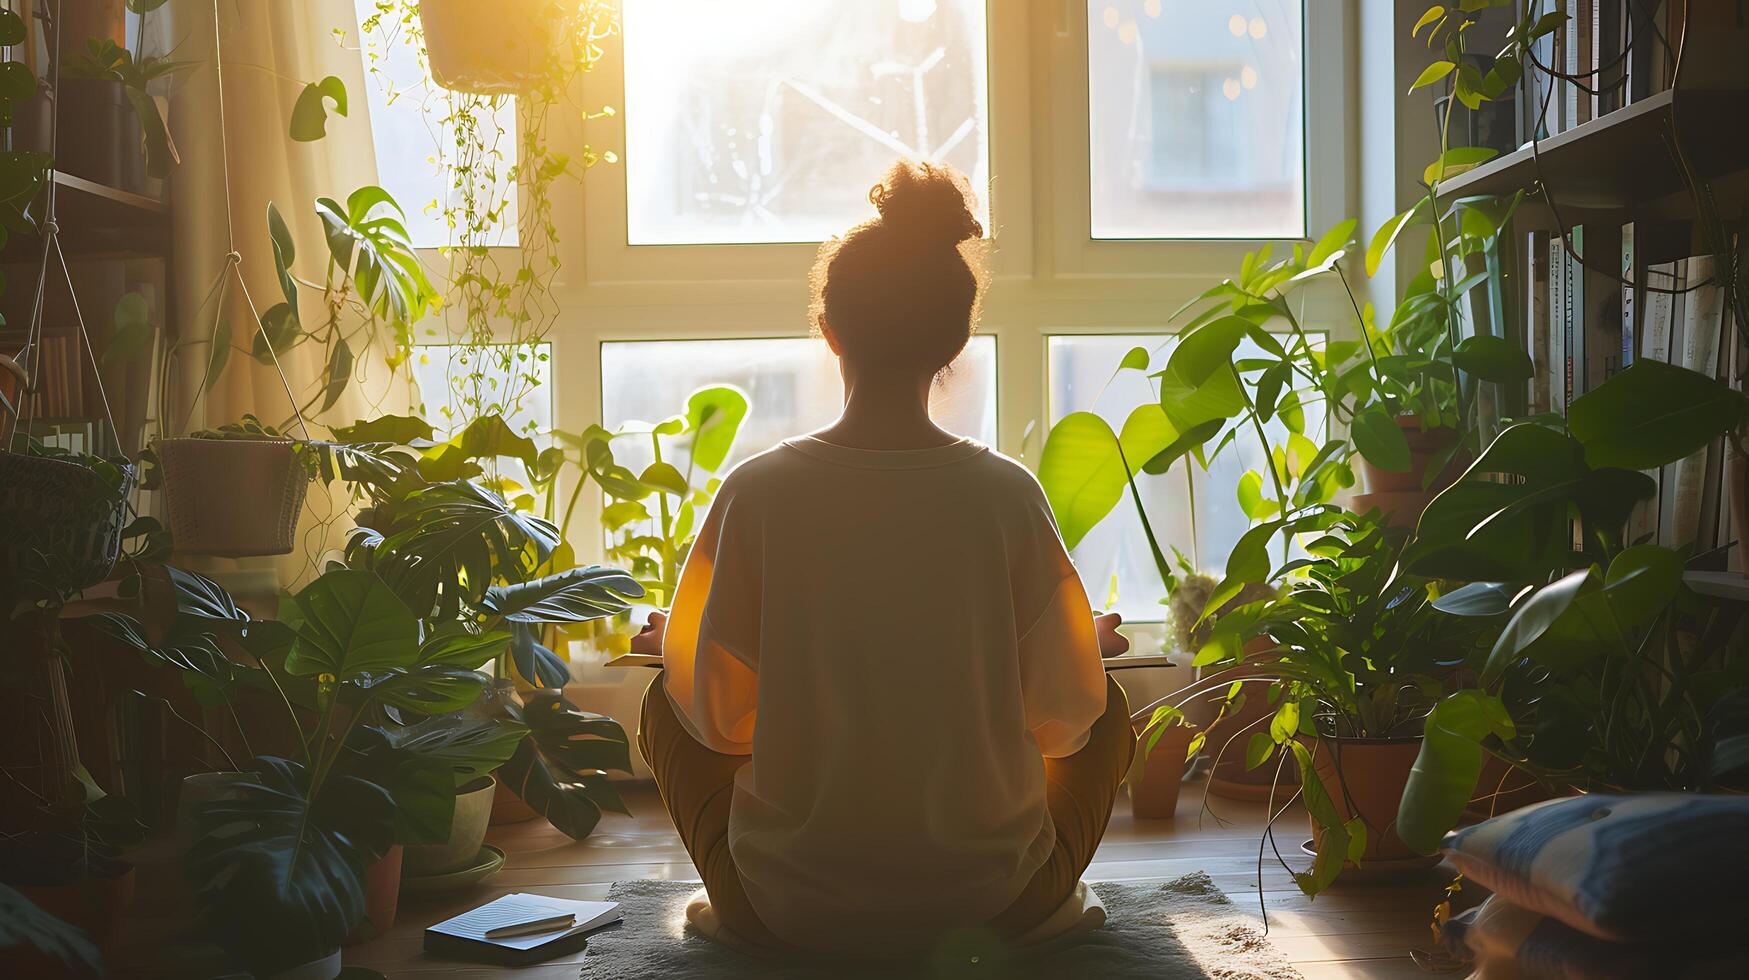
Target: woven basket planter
233	498
59	521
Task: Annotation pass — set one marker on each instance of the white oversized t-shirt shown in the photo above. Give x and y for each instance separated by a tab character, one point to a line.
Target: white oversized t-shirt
897	639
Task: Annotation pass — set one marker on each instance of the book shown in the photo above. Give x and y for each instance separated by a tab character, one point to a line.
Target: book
1696	348
1536	319
1662	281
1578	58
1631	278
1560	364
464	936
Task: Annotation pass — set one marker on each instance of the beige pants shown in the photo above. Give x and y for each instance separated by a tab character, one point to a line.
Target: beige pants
697	784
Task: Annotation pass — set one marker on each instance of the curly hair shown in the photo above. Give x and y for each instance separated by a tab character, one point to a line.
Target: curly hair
902	290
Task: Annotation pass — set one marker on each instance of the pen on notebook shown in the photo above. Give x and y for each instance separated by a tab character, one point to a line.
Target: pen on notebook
532	926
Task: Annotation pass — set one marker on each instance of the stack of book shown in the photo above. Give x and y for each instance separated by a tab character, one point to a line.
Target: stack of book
1613	52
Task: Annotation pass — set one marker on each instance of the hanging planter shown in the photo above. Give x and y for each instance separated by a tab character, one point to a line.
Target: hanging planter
233	498
504	48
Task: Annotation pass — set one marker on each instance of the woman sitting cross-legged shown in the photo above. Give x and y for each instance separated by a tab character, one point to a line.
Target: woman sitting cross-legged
882	718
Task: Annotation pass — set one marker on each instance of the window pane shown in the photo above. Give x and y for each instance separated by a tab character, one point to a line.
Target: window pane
768	120
457	384
1079	368
414	135
1196	118
792	386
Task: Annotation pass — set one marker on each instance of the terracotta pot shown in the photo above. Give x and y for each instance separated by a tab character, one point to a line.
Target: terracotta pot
1739	474
467	831
497	48
1503	788
1424	445
97	905
234	498
1226	742
1365	777
382	893
507	807
1156	776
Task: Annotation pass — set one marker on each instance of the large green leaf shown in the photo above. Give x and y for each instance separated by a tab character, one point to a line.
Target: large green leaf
277	876
202	598
349	623
24	926
422	787
1378	438
454	646
1493	359
450	542
575	595
559	770
427	690
534	661
487	437
1652	414
309	119
368	239
133	330
1387	234
1444	777
1534	618
713	417
399	430
1085	466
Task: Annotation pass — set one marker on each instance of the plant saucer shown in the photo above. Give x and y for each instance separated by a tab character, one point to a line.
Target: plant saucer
484	865
1379	867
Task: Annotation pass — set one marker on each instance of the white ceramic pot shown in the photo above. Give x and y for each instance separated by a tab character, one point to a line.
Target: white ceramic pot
467	831
326	968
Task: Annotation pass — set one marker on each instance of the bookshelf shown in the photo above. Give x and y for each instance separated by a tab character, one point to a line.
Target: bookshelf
99	222
1622	160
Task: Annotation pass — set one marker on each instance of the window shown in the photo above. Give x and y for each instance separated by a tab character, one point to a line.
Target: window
792	387
1114	556
456	382
1195	119
768	120
413	122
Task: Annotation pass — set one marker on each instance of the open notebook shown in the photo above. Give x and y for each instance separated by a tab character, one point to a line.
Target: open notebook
464	936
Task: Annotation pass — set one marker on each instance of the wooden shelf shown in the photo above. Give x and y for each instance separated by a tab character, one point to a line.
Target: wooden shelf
98	222
1623	159
1720	585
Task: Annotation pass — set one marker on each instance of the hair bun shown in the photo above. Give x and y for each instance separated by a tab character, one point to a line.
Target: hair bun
926	203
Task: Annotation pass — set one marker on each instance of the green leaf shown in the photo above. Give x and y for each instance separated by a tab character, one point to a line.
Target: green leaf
1533	619
1251	499
1443	780
398	430
713	416
280	332
161	154
664	477
1493	359
560	770
1332	244
1652	414
1378	438
487	437
1432	73
426	690
218	352
577	595
453	646
1455	161
348	623
449	542
133	330
1386	236
278	876
1478	599
199	597
59	946
1258	749
309	118
1082	473
1641	582
1135	360
337	375
1432	15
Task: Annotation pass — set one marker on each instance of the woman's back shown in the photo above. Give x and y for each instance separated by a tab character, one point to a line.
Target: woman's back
898	639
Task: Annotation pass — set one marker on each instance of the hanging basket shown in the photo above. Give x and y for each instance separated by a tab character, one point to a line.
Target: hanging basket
60	522
502	48
233	498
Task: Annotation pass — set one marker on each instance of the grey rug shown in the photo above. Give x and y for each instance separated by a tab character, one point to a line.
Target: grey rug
1185	928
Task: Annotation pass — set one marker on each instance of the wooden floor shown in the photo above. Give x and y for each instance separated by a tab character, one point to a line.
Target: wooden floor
1358	929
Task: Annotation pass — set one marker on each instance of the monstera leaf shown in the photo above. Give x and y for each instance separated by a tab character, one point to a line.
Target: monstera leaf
278	876
449	542
60	949
348	624
423	765
559	770
575	595
367	236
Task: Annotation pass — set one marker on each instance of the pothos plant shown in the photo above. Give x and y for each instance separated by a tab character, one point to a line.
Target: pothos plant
496	181
653	515
104	59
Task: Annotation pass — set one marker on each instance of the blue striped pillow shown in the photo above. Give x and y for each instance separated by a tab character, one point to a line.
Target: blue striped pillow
1637	867
1502	939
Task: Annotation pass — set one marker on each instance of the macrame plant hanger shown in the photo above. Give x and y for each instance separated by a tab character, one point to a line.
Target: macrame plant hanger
232	269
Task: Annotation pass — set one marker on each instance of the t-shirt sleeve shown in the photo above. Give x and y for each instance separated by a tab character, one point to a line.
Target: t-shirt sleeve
710	651
1062	678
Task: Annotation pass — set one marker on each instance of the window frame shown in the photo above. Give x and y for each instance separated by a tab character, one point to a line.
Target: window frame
1049	277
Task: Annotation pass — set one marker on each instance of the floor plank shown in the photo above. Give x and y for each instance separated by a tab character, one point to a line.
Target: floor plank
1360	928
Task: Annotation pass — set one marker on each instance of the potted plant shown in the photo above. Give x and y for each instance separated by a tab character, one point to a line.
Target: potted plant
1359	655
512	49
373	275
1607	630
107	88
